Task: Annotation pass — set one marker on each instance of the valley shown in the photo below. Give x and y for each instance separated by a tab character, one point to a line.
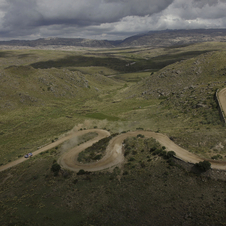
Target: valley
54	103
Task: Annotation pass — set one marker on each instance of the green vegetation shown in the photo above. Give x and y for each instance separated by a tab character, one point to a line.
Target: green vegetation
101	116
45	94
56	168
217	157
136	149
37	197
203	166
96	151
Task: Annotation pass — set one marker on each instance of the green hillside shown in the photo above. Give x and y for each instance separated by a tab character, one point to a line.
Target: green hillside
45	94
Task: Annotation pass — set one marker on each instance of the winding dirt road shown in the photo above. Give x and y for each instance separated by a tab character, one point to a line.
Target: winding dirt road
114	154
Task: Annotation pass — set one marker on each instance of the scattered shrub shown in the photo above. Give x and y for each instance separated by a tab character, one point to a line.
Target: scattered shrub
163	153
157	152
125	173
215	157
203	166
126	152
97	157
139	128
170	154
142	164
52	152
55	168
81	172
75	181
171	162
131	159
153	149
95	152
140	135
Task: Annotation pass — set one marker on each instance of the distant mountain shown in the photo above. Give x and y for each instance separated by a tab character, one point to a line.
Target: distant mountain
164	38
175	37
59	42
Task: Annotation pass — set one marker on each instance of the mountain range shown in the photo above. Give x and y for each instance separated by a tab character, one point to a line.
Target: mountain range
162	38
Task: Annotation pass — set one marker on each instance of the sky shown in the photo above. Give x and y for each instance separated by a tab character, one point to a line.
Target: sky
105	19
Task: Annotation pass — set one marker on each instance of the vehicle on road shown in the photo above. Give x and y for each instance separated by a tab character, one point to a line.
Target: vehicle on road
28	155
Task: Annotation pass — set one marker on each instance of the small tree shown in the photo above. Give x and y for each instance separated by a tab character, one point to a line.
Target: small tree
81	172
56	168
170	154
203	166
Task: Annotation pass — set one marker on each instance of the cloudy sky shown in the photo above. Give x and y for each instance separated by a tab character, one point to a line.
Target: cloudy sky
105	19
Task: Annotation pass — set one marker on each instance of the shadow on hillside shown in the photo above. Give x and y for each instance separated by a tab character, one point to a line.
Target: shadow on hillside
4	54
132	65
25	55
82	61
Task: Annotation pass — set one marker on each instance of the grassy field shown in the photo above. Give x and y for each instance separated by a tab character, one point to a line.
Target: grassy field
45	94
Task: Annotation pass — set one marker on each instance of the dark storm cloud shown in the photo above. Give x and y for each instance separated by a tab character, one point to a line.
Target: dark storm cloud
24	13
91	18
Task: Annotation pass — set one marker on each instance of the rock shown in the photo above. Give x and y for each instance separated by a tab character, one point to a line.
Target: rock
192	87
200	105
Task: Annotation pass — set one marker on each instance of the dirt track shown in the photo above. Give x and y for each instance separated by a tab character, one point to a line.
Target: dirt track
114	155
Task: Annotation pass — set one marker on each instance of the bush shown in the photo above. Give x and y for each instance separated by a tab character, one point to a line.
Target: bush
215	157
157	152
75	181
171	162
170	154
203	166
140	135
97	157
153	149
55	168
142	164
81	172
125	173
163	153
131	159
139	128
126	152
